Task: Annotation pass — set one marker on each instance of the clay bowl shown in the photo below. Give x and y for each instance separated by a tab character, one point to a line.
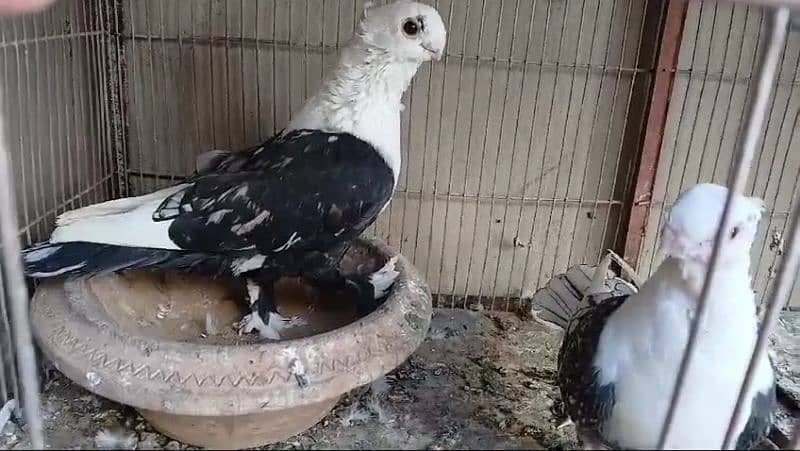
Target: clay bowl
165	344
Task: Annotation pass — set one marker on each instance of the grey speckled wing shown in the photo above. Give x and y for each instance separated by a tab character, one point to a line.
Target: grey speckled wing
586	401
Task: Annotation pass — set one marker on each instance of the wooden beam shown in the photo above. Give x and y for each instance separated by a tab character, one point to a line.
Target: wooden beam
645	177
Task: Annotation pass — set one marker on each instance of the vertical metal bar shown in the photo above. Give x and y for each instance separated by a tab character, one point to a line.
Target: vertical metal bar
274	66
305	49
757	109
626	122
534	104
418	260
184	140
154	122
99	101
173	152
120	102
492	72
6	348
507	85
17	293
289	54
212	111
137	102
245	138
195	86
106	89
654	127
450	165
87	169
469	151
581	191
36	136
518	113
227	88
546	138
260	136
445	60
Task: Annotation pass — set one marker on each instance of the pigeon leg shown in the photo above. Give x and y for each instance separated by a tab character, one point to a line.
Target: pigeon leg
263	316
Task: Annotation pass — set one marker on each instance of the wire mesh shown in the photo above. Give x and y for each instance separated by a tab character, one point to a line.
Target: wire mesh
522	140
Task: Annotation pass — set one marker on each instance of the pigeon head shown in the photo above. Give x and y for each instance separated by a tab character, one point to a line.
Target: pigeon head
409	31
693	221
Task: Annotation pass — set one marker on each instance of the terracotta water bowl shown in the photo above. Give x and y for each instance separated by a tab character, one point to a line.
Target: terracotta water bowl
166	345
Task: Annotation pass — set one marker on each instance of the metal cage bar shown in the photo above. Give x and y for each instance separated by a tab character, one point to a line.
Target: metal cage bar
111	39
17	295
766	68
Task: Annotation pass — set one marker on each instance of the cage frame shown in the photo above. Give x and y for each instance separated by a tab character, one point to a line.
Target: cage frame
747	143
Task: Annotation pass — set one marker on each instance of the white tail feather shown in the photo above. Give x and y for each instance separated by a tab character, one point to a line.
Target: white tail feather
125	223
113	207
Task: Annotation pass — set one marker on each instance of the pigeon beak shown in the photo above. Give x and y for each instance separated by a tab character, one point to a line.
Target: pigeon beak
435	54
673	244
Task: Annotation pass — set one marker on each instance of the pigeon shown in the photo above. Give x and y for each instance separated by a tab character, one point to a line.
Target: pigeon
619	359
287	207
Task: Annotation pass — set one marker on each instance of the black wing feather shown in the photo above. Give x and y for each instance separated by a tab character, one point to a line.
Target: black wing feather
586	401
308	190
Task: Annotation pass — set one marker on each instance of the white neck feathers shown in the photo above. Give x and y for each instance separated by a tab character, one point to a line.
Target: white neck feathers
362	97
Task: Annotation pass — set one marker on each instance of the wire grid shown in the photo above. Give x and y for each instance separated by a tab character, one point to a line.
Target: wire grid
68	155
57	112
57	109
518	143
718	53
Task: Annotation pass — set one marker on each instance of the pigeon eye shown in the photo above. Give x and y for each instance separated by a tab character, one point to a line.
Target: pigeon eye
734	232
410	27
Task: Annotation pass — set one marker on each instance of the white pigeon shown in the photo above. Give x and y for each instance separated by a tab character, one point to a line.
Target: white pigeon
290	206
620	357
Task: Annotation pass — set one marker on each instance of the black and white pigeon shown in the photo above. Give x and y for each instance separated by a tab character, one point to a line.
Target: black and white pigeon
620	356
287	207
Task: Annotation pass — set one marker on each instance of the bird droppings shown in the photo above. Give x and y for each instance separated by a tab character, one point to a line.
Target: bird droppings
511	402
211	325
354	415
116	438
163	310
93	378
299	371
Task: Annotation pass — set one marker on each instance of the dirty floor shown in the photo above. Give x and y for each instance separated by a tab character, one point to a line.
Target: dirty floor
479	381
